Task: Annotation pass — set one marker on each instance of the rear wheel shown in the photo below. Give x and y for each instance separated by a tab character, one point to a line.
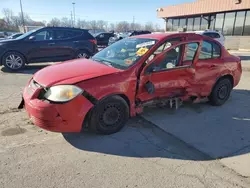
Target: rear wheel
13	61
83	54
221	92
110	115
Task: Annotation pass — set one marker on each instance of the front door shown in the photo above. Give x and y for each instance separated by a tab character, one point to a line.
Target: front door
169	74
40	48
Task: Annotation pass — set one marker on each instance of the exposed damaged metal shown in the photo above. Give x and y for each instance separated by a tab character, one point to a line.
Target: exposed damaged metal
91	98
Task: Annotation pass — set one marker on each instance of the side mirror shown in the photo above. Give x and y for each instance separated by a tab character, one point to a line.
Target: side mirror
32	38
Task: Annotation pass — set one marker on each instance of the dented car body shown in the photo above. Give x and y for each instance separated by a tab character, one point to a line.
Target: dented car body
119	81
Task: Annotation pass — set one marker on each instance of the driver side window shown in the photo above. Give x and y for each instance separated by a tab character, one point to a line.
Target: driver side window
170	59
167	44
44	35
180	56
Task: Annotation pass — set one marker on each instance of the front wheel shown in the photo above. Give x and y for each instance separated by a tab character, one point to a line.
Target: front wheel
221	92
13	61
110	115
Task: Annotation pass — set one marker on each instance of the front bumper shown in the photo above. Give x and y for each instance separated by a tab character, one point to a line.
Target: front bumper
66	117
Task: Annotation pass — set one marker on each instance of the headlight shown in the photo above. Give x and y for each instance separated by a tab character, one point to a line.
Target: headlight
62	93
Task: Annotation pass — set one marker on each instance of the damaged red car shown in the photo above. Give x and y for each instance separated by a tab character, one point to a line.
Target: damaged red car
101	93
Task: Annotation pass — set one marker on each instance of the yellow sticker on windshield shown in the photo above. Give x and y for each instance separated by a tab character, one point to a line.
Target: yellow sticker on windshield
123	50
141	51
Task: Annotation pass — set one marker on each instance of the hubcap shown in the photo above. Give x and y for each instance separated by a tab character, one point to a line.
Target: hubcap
14	61
82	55
223	92
110	116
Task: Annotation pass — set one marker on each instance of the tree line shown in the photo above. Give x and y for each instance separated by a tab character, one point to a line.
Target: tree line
12	22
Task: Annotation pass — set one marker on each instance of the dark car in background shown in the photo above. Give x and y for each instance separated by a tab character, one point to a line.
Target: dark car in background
47	44
2	35
14	36
103	38
120	36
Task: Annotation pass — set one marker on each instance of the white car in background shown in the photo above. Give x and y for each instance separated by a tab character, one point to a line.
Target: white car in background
213	34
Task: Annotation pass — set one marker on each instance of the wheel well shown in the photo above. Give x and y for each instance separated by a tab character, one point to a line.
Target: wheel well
1	60
86	119
123	96
126	99
228	76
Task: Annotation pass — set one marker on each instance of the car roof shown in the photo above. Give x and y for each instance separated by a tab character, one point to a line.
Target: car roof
162	36
73	28
207	31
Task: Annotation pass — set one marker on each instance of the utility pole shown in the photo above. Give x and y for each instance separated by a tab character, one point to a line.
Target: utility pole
21	6
74	13
71	19
133	23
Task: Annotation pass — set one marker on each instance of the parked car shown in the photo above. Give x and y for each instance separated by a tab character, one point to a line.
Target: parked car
213	34
2	36
120	36
103	38
48	44
14	36
101	93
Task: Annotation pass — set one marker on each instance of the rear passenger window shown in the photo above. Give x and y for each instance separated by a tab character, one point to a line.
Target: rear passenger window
77	33
212	35
216	51
66	34
210	50
206	51
216	35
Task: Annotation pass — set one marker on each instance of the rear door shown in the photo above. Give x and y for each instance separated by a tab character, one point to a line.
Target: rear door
64	45
208	67
168	74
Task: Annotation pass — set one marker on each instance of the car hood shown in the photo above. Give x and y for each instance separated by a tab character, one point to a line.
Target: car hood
6	41
71	72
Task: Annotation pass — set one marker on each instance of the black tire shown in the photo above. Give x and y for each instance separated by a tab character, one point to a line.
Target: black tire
13	61
109	116
83	54
221	92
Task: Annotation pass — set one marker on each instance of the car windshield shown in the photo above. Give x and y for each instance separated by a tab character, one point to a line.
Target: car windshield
125	52
26	34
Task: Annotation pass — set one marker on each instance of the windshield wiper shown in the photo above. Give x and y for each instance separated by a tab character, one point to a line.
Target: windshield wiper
104	62
109	63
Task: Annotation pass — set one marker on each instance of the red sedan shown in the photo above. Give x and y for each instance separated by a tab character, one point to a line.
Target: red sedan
115	84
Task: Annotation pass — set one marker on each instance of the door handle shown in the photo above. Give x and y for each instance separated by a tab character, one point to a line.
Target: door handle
212	66
51	44
76	41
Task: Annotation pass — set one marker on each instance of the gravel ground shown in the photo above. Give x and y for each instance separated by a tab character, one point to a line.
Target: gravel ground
141	155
